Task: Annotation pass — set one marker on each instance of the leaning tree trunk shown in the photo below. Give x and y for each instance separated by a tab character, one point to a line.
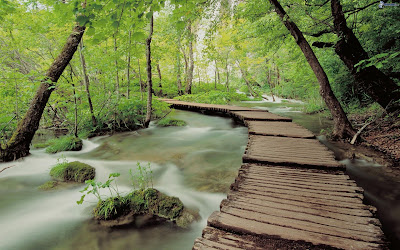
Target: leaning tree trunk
86	81
342	127
189	81
178	66
18	145
374	82
149	80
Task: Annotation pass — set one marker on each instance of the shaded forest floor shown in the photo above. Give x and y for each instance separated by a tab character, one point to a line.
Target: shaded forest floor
380	142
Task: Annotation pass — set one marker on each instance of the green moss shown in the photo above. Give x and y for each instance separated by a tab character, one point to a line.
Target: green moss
141	202
42	145
66	143
169	207
167	122
49	185
73	171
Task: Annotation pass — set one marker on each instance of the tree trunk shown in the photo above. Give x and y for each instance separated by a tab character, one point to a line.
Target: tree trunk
128	66
18	145
374	82
116	68
160	93
188	89
244	75
86	81
178	65
142	88
342	127
149	80
227	75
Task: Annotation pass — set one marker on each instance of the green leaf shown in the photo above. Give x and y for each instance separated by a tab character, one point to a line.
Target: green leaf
91	31
149	15
115	24
138	36
82	20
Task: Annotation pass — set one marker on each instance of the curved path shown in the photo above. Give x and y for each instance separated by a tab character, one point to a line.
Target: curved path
289	193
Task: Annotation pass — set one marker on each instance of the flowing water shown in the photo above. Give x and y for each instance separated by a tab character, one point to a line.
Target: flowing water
196	163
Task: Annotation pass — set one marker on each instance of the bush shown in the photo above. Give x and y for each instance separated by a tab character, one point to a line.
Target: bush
66	143
166	122
73	171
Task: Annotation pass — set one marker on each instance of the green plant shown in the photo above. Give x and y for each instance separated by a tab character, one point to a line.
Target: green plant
65	143
93	187
166	122
143	177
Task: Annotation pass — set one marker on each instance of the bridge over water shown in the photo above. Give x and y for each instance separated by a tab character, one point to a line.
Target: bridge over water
289	193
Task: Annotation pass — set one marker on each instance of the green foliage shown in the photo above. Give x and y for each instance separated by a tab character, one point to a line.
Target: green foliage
214	97
72	171
166	122
65	143
142	178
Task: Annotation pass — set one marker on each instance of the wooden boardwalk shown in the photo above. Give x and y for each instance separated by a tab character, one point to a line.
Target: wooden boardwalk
290	193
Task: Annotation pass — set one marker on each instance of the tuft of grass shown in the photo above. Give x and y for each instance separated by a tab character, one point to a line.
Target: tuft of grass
66	143
167	122
49	185
73	171
41	145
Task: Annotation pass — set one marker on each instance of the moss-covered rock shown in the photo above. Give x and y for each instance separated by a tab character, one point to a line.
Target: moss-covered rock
73	171
167	122
150	204
50	185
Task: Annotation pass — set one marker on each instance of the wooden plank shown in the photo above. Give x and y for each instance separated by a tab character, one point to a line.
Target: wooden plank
354	215
285	129
286	151
316	218
259	115
241	225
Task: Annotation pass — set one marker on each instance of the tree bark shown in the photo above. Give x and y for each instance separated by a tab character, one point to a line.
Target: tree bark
374	82
342	127
189	82
86	81
149	75
160	93
128	66
178	65
227	75
18	145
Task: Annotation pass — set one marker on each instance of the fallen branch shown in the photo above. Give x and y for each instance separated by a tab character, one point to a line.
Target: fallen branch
6	168
359	132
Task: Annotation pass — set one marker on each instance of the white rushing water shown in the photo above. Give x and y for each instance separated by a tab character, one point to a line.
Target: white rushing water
34	219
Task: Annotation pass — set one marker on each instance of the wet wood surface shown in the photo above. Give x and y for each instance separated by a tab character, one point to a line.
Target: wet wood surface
289	193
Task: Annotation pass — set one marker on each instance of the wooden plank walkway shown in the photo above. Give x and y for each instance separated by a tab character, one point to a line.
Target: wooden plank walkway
290	193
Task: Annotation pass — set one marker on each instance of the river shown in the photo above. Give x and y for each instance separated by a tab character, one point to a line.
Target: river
196	163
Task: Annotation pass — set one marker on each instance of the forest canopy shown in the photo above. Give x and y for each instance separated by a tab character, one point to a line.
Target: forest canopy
118	54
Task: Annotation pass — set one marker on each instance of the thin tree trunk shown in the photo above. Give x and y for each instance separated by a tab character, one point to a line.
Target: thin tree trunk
18	145
149	75
116	68
342	127
86	81
215	78
140	80
160	93
75	112
218	76
244	75
188	89
178	65
128	67
227	75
